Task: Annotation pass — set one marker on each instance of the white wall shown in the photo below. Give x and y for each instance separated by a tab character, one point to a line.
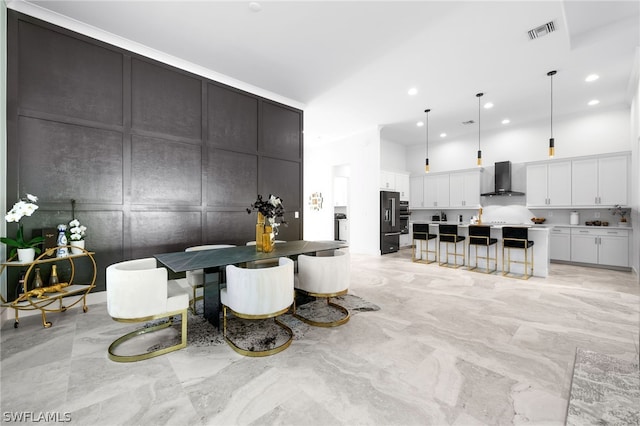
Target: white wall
635	164
603	131
393	156
361	154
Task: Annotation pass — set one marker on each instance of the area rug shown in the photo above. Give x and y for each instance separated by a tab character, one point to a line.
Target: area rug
604	391
263	334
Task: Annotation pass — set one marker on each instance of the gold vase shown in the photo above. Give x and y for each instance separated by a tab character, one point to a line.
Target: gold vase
259	232
267	239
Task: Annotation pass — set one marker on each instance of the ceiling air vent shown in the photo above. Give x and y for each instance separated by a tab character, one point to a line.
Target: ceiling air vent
468	122
542	30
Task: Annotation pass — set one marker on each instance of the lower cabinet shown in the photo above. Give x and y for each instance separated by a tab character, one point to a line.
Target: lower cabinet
560	244
600	246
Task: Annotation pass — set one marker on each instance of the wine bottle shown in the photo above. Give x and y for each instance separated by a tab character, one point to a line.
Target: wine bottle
20	287
37	281
53	278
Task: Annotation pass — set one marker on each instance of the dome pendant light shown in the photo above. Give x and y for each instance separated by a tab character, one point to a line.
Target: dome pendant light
426	161
552	148
479	95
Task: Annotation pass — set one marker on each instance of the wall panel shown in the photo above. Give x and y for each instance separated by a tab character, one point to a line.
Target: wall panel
157	159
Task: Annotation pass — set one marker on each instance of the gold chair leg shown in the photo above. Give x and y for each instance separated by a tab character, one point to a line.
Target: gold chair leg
345	316
250	353
146	355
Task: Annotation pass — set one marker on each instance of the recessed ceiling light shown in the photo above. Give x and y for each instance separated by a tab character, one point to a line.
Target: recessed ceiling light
413	91
591	77
488	105
443	135
506	121
254	6
420	123
593	102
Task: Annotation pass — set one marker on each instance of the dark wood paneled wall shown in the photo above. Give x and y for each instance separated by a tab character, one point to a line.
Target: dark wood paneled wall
157	159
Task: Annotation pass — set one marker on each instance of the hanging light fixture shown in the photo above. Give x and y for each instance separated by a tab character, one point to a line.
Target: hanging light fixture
552	148
479	95
426	161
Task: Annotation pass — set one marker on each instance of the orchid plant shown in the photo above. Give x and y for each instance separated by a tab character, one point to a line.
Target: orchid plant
24	207
77	232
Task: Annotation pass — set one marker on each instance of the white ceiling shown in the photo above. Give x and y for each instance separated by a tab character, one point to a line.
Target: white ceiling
351	63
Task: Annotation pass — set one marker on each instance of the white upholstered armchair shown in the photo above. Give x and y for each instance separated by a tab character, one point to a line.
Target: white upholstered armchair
139	291
256	294
325	275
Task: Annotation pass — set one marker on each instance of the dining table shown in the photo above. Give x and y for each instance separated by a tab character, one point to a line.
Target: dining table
214	262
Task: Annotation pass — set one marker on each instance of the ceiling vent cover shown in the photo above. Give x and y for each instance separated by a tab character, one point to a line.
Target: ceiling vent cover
542	30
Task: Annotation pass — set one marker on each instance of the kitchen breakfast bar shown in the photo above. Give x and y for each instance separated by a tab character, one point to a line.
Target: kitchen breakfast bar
539	234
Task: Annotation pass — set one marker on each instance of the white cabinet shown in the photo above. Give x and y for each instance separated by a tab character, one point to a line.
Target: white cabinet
464	189
549	184
600	246
403	186
392	181
601	181
560	239
416	192
340	191
436	191
387	180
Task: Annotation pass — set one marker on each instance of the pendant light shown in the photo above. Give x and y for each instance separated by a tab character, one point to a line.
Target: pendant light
426	161
552	148
479	95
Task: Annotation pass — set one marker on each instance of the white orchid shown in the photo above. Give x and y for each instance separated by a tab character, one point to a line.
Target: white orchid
77	231
20	209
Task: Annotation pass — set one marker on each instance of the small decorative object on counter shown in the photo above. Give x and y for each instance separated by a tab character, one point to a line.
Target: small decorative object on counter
53	278
618	210
62	241
37	281
574	218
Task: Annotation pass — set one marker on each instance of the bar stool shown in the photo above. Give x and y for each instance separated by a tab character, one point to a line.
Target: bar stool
517	238
449	235
421	234
480	236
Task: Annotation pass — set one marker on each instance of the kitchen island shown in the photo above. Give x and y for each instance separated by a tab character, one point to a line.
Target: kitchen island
539	234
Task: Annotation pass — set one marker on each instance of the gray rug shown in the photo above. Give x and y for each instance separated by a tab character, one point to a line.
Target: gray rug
604	391
264	334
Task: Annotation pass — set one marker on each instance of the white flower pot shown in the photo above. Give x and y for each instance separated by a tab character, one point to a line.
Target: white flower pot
26	255
77	247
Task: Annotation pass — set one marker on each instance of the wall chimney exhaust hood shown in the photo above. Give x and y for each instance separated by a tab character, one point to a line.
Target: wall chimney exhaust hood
503	181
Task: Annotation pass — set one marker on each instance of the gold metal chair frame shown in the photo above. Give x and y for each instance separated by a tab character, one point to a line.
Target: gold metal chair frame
454	253
146	355
506	272
247	352
426	250
327	296
487	257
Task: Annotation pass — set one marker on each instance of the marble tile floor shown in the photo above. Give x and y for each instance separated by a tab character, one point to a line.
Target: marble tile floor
447	347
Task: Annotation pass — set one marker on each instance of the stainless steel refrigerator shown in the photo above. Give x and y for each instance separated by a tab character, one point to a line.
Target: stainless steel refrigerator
389	221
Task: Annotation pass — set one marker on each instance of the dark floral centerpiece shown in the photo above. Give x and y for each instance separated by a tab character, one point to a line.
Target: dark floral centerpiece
269	211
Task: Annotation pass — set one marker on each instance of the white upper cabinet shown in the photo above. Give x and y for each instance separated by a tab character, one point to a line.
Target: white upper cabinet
600	181
392	181
416	192
436	191
387	180
403	186
464	189
549	184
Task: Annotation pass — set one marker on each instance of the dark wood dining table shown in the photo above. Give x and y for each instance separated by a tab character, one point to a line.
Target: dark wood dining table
214	262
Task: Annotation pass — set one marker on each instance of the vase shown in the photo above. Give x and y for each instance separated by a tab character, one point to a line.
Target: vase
77	247
268	239
259	231
26	255
62	242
